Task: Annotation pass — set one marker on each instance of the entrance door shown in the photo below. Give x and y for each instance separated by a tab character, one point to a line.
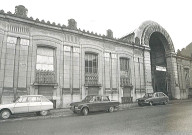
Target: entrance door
126	92
46	91
93	90
126	95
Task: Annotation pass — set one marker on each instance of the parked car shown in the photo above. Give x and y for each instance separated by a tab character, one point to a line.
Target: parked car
93	103
153	98
27	103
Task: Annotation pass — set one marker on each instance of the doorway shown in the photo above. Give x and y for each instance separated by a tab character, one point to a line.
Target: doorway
157	45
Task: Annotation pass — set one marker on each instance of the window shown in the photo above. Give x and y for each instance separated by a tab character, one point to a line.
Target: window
44	99
91	63
124	72
124	64
32	99
91	69
45	59
45	73
105	98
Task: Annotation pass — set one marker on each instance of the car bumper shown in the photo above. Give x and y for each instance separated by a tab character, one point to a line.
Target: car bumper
75	109
143	102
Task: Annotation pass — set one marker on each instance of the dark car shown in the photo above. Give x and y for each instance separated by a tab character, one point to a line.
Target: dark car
93	103
153	98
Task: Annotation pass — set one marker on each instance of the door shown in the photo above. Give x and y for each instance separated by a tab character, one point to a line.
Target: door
95	104
21	105
126	95
93	90
46	91
34	103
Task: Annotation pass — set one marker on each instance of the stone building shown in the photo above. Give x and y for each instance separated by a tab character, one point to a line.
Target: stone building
184	66
65	63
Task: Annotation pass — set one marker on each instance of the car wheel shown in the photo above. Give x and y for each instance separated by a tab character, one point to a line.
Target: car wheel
111	109
139	104
165	102
150	103
37	113
43	113
5	114
85	111
74	112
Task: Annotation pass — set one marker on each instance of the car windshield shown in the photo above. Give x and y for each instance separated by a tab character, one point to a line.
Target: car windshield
17	100
148	95
87	98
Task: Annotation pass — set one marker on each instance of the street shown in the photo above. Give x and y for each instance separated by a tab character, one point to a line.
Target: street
171	119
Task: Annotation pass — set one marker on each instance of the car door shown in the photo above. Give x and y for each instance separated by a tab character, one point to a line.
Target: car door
155	98
105	103
161	98
100	105
34	103
21	105
94	104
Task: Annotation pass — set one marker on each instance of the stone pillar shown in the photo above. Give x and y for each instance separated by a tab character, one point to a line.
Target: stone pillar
174	90
147	70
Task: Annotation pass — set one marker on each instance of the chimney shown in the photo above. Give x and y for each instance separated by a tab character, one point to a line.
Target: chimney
72	24
21	11
109	33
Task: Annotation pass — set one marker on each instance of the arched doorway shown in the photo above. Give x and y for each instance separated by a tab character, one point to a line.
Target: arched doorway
152	35
158	62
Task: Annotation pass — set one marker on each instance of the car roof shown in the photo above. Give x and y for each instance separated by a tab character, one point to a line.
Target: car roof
99	95
31	95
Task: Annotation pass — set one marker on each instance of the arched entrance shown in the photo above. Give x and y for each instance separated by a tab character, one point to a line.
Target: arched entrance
158	62
163	74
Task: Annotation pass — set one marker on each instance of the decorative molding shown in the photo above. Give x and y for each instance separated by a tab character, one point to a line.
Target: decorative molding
67	48
107	55
114	56
24	42
76	50
138	52
18	28
12	40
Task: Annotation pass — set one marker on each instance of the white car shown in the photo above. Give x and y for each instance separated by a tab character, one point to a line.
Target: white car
27	103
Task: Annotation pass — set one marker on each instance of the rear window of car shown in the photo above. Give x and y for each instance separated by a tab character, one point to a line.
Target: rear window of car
147	95
32	99
44	99
105	98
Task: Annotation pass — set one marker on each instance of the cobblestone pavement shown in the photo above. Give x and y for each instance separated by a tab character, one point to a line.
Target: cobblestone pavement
62	112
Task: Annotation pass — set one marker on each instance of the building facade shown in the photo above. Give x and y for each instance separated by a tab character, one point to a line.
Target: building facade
65	64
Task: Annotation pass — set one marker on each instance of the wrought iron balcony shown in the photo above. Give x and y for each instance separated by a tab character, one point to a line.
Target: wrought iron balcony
45	77
91	79
124	81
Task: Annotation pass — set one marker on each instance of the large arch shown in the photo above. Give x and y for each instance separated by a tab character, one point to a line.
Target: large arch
150	34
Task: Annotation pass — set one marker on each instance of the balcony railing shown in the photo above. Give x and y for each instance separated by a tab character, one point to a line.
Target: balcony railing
125	81
45	77
91	79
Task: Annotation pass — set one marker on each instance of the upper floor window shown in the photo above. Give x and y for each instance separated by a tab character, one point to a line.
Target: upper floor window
45	73
45	59
124	64
124	72
91	63
91	69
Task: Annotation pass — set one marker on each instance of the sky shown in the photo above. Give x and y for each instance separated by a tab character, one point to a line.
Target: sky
121	16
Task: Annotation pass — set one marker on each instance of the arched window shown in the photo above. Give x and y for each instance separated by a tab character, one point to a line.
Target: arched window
45	59
91	69
45	73
124	72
